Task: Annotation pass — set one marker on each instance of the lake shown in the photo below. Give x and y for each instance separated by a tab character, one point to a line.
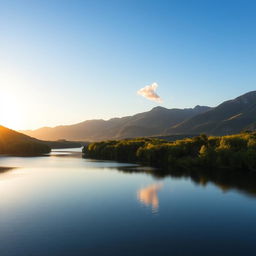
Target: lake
63	204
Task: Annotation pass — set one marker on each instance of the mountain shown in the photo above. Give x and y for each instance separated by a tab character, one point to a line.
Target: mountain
12	142
153	122
230	117
227	118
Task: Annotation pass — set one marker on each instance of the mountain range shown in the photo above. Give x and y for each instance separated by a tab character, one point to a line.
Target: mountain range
230	117
153	122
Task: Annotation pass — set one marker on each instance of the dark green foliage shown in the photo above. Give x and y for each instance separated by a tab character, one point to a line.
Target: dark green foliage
229	152
122	150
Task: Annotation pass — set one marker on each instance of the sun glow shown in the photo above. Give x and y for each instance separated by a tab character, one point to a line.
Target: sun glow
10	111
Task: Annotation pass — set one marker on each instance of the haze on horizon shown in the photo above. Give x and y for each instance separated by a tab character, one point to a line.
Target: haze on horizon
63	62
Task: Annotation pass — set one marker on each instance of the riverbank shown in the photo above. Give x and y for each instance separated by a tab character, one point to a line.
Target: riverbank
233	152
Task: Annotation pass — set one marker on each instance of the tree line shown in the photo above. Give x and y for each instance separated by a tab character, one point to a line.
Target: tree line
225	152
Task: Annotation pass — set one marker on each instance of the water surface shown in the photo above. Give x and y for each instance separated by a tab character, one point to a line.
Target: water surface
63	204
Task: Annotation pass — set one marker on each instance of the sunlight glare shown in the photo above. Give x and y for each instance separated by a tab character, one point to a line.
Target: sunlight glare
10	112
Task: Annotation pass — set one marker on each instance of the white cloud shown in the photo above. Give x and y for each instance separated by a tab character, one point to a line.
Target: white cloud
149	92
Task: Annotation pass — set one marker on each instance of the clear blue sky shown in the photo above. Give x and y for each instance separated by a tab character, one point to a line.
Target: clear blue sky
63	62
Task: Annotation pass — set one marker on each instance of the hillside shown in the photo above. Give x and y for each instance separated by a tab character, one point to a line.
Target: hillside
230	117
12	142
153	122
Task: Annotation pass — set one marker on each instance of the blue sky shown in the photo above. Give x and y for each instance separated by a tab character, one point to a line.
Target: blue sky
63	62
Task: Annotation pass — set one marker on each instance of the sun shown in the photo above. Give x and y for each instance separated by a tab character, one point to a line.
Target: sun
10	112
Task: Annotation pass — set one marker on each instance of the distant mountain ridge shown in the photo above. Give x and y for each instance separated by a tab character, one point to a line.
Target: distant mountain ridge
153	122
230	117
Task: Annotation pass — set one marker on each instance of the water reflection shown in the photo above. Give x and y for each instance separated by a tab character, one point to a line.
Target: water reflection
71	206
244	182
149	195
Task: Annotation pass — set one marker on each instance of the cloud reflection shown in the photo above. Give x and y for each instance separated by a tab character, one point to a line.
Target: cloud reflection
148	195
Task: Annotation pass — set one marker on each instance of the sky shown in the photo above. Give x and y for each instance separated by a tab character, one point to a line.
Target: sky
63	62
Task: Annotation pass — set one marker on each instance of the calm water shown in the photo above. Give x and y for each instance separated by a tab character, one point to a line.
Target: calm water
66	205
